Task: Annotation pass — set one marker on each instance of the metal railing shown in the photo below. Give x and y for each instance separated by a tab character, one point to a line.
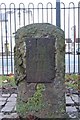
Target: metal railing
12	18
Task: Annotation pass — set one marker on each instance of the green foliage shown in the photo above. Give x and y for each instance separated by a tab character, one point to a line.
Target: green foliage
35	103
40	87
71	81
1	81
6	81
21	108
71	77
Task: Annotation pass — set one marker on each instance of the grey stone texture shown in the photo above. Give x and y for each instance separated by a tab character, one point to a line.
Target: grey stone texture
52	104
3	99
7	109
5	95
12	115
11	99
69	100
71	110
2	103
75	98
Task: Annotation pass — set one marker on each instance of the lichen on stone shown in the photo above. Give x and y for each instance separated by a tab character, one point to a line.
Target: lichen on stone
40	99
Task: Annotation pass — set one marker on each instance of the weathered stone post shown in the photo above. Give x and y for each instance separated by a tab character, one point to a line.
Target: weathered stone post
39	71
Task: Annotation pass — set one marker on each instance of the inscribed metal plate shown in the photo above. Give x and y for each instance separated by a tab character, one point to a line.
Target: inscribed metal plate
40	60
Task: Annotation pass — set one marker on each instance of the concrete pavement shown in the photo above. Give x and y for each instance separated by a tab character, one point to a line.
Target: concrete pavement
8	105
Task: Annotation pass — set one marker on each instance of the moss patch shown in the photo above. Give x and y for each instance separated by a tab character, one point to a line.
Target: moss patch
35	103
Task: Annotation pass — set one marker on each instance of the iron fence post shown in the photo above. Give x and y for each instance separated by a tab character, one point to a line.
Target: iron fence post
78	37
58	13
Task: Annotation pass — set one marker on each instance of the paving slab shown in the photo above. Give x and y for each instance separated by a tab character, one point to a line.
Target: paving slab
12	99
3	99
2	103
14	95
1	115
5	95
12	115
69	100
75	98
73	115
7	109
71	109
10	104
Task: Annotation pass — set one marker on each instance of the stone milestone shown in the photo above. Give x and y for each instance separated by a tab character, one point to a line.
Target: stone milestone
39	71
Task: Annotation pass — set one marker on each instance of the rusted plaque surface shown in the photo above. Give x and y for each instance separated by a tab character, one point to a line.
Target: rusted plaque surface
40	60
